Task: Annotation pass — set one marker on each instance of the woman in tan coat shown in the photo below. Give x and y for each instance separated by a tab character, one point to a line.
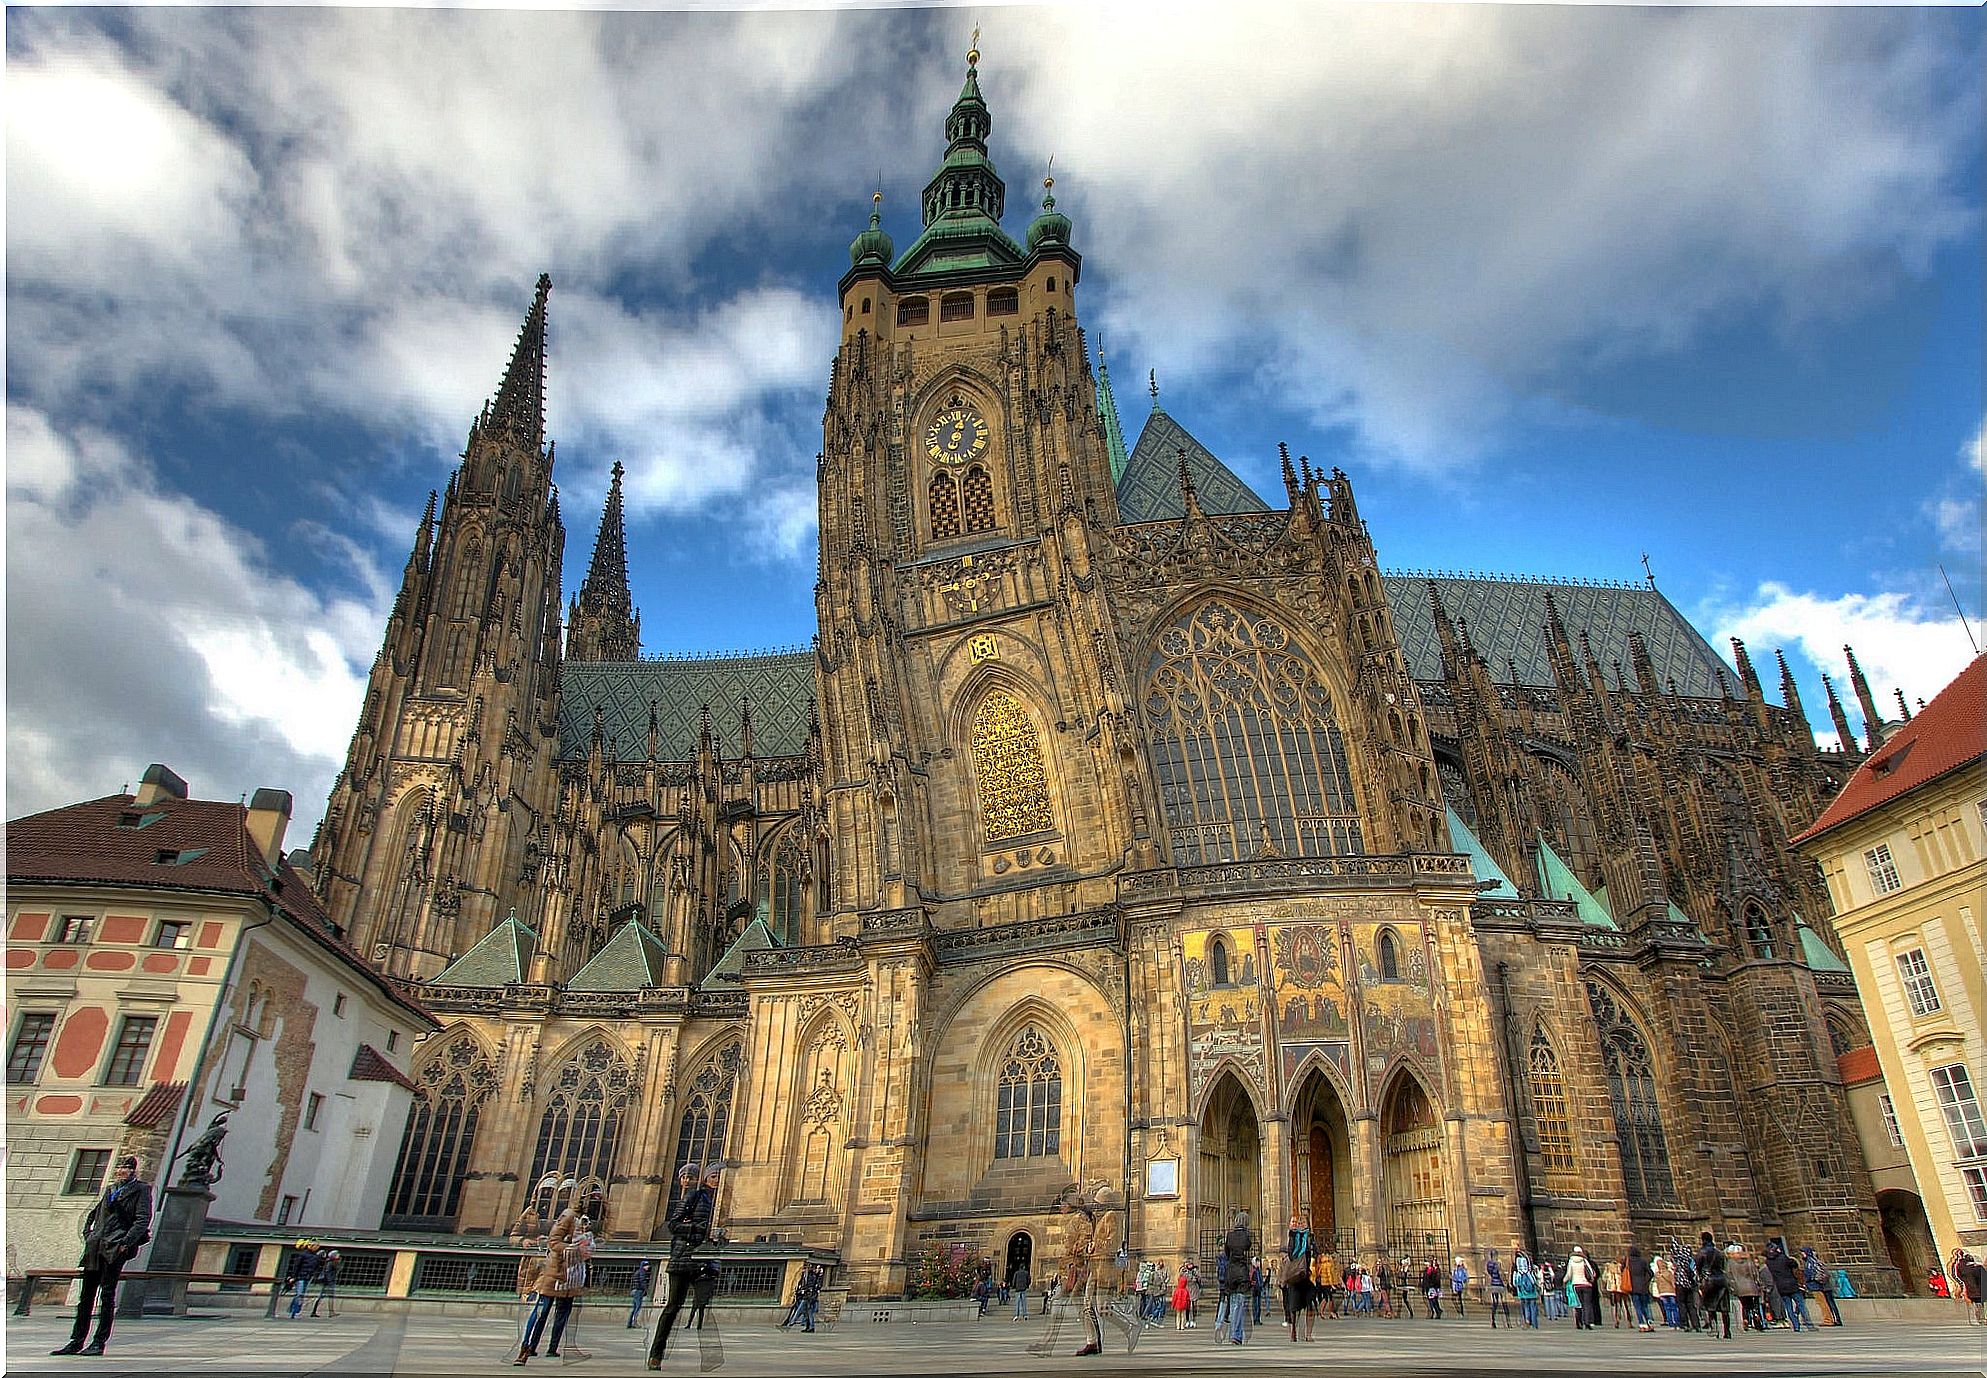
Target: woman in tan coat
553	1287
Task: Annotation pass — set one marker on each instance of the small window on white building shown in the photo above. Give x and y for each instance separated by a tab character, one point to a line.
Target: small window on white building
1919	987
1976	1189
1883	871
286	1210
338	1004
1891	1131
393	1040
312	1108
1962	1111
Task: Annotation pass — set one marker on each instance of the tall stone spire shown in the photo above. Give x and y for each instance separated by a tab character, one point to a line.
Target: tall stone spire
1873	721
520	405
603	623
1107	412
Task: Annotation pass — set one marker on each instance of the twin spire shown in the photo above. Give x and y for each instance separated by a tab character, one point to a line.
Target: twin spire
519	408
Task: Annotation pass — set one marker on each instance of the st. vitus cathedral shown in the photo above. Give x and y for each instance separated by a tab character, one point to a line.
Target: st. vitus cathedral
1120	827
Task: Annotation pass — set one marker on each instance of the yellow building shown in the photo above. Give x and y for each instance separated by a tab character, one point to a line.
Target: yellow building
1902	848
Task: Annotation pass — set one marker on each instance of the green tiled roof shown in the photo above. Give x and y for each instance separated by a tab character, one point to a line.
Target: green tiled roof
1149	488
1557	882
723	975
629	960
499	958
780	687
1816	953
1506	617
1481	862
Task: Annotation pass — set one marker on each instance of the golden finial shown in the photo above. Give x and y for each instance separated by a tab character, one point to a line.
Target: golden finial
973	53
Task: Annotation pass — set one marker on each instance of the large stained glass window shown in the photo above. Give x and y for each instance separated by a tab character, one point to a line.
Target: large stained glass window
580	1130
706	1113
1245	742
1638	1122
1028	1113
441	1130
1547	1084
1008	768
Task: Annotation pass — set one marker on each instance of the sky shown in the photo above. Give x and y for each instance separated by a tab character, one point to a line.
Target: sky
1557	287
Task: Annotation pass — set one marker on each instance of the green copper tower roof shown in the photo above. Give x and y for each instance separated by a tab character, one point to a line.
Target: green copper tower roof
1816	953
629	960
1481	861
963	200
499	958
1557	882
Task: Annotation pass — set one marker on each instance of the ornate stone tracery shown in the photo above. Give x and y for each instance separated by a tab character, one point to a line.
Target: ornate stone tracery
1009	770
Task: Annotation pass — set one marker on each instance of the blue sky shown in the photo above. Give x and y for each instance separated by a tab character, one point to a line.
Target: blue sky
1556	286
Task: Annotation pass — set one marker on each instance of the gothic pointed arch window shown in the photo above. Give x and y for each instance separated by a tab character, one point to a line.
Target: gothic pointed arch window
1411	1164
579	1131
707	1100
1028	1098
1390	957
787	889
1547	1085
426	1190
1638	1120
1220	970
1759	930
1246	744
942	501
1009	771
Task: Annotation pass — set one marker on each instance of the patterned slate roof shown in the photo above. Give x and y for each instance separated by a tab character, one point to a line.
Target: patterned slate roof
1149	488
629	960
1505	615
498	958
780	687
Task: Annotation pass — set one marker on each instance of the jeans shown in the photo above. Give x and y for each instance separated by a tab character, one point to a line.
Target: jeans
1672	1314
1796	1309
1020	1306
297	1297
635	1300
1528	1307
560	1309
1641	1303
1238	1314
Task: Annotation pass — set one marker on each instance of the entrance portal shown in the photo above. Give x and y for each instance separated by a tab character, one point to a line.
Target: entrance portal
1321	1166
1908	1238
1411	1171
1230	1166
1020	1254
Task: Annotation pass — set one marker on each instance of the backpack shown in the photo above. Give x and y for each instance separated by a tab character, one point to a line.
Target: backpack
1812	1274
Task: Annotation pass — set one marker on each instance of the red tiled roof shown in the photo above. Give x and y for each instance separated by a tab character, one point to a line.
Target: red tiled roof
370	1064
1859	1065
1948	733
175	844
158	1107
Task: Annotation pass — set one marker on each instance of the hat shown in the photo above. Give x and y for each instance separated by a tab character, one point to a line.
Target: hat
687	1170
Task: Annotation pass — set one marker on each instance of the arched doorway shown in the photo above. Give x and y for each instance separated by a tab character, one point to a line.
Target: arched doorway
1020	1254
1417	1209
1907	1238
1321	1164
1230	1165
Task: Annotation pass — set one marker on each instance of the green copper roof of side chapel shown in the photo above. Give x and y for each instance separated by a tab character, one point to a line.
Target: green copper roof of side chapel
1557	882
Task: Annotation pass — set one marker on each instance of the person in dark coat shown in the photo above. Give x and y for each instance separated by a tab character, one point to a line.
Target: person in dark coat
1786	1281
689	1228
638	1293
113	1232
1714	1296
1640	1276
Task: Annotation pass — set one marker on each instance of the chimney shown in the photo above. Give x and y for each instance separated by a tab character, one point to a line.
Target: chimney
158	782
268	816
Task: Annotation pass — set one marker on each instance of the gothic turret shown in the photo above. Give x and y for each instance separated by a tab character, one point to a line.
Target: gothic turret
602	623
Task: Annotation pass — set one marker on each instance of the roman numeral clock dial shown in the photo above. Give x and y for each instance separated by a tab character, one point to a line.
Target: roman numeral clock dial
956	435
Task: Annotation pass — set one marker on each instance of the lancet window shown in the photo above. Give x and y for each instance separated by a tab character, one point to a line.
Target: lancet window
1009	770
1638	1121
707	1112
942	498
579	1132
1028	1111
1547	1085
426	1190
1246	745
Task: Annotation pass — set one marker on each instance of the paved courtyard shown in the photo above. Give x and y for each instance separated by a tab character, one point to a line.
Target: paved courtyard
357	1345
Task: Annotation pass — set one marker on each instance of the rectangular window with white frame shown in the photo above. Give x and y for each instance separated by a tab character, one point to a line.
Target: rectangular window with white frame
1892	1133
1976	1189
1883	870
1919	987
1962	1111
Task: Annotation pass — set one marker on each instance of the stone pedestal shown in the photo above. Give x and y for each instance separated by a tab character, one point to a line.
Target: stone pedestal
177	1224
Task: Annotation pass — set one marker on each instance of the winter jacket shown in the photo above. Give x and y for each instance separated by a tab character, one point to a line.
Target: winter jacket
1742	1276
1579	1271
1786	1281
117	1226
1639	1273
550	1280
690	1227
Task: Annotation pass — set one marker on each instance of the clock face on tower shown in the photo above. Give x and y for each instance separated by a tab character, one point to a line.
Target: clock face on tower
956	435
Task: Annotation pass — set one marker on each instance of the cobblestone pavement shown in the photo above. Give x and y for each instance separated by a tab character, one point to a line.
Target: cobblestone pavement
358	1345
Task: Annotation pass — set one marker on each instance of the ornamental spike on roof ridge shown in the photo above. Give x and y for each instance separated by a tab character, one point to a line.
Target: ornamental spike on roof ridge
1488	577
682	657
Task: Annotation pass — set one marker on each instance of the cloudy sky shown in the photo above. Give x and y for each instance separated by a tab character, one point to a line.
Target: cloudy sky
1558	287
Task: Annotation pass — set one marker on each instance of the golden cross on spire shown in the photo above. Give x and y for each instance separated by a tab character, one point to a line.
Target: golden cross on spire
973	53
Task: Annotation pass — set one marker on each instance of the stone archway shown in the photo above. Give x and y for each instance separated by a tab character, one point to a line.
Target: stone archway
1908	1238
1230	1166
1411	1174
1020	1254
1321	1162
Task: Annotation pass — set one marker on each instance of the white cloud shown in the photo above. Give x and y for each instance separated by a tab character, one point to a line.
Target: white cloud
1900	643
143	625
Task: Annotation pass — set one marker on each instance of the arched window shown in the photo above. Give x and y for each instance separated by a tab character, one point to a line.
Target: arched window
466	581
942	498
1245	743
580	1129
1548	1087
914	311
1008	769
706	1113
1219	970
1411	1167
786	891
1003	301
1759	930
1638	1121
976	497
1845	1035
1390	957
1028	1112
441	1130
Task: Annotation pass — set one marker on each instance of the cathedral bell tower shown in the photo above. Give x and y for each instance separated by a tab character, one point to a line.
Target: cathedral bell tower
433	828
965	481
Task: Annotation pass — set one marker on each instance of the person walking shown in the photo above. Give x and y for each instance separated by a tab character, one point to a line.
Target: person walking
1638	1276
1815	1277
550	1288
1714	1289
1236	1251
1019	1284
1525	1282
115	1229
1459	1281
1742	1276
1683	1270
1663	1286
1182	1301
1258	1284
1409	1284
1493	1278
1296	1275
689	1226
1431	1286
302	1271
1580	1278
814	1277
1615	1284
1551	1299
1972	1279
1786	1282
327	1285
703	1291
638	1292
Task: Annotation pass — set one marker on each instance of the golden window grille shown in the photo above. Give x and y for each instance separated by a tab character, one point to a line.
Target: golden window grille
1008	768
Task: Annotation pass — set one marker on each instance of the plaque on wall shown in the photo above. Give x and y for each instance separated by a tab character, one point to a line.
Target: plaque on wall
1162	1178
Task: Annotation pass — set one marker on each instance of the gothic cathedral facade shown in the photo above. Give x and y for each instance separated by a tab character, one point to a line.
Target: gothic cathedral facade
1120	828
